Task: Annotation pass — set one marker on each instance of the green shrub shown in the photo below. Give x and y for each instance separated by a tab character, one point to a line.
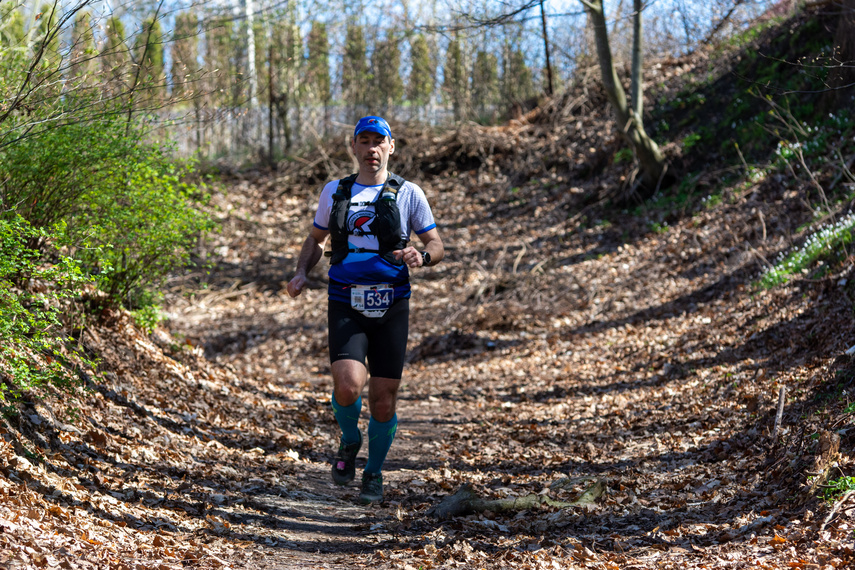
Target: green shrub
144	223
712	200
805	150
33	351
124	204
77	175
624	155
691	140
824	242
45	176
835	488
148	315
658	227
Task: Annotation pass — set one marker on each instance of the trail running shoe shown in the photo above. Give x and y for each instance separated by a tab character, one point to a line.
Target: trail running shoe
344	462
372	488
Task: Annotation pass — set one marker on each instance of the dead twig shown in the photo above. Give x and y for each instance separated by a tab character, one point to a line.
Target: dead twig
782	393
833	512
845	170
759	255
519	257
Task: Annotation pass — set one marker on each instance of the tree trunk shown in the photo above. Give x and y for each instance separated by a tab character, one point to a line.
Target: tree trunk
636	91
251	71
646	150
550	90
271	94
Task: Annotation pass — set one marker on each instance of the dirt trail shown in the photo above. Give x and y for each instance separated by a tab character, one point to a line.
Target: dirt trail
546	351
645	362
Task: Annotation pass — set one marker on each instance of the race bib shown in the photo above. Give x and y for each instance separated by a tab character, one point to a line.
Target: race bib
371	300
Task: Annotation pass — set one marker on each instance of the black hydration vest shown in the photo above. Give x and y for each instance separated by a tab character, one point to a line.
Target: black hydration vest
386	224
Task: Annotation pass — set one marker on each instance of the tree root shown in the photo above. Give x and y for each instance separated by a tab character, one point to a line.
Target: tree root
465	501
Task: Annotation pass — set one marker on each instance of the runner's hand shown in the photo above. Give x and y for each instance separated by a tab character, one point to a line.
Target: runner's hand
411	256
296	285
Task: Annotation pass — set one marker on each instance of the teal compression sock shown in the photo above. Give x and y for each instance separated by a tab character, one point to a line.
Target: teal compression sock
348	419
380	436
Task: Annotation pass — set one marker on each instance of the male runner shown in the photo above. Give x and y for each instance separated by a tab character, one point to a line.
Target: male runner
369	217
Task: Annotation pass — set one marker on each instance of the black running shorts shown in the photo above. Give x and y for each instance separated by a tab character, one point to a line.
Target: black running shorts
383	341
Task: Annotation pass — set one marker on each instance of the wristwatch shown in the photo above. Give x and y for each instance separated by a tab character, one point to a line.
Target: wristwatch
425	258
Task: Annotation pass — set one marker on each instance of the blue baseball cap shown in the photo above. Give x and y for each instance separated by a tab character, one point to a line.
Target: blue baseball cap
372	124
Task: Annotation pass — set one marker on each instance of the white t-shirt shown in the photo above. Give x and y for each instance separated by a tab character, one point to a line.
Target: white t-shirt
370	268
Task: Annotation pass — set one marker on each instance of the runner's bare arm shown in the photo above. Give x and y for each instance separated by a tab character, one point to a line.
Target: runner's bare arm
310	254
432	244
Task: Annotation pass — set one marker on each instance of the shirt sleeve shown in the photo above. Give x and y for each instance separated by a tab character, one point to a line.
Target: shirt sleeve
322	215
421	217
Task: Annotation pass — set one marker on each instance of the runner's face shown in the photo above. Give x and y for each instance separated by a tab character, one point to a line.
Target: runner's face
372	151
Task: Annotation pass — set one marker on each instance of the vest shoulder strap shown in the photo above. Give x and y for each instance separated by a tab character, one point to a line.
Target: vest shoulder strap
394	183
344	190
345	186
390	188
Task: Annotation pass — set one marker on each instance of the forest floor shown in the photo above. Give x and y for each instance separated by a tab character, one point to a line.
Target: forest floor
542	360
552	355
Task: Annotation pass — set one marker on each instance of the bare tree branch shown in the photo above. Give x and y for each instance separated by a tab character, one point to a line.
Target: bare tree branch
721	23
25	89
140	65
